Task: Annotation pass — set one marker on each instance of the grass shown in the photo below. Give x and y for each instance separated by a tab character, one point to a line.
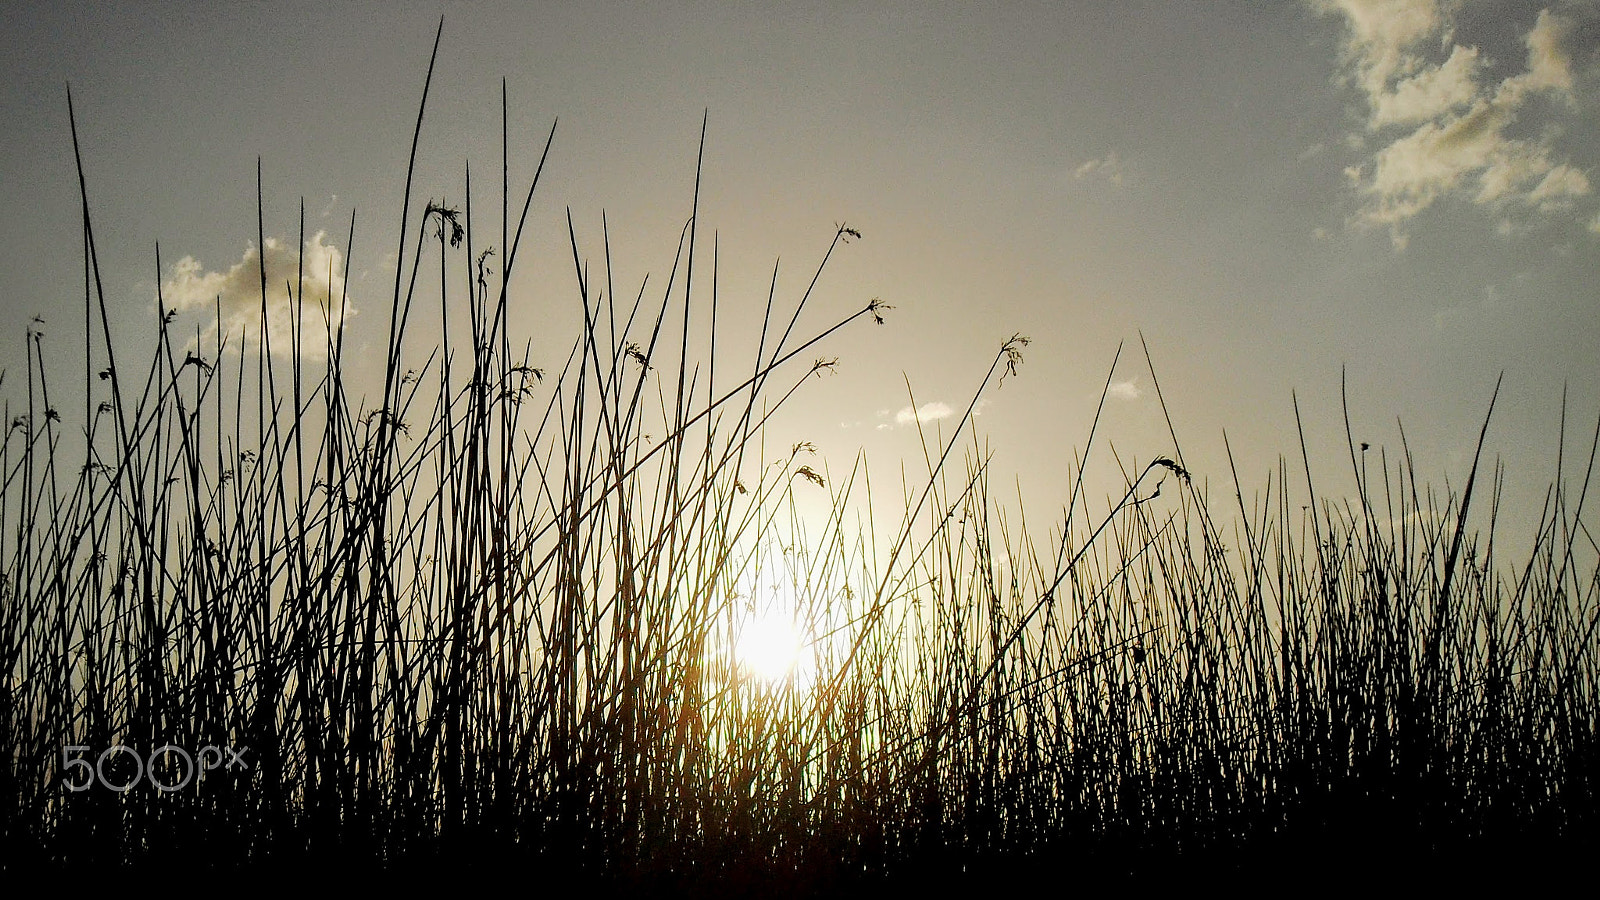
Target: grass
486	620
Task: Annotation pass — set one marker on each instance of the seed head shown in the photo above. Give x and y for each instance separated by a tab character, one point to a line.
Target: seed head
447	215
637	355
810	475
1013	354
1173	467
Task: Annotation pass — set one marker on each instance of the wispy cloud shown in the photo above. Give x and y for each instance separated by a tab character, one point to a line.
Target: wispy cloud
1443	124
927	412
236	293
1125	390
1108	167
1432	92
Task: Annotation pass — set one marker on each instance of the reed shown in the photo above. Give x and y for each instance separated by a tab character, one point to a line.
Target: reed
491	619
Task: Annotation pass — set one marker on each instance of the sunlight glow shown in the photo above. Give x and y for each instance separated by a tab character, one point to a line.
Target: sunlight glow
772	648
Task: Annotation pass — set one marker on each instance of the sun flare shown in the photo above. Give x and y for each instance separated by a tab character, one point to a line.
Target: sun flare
772	648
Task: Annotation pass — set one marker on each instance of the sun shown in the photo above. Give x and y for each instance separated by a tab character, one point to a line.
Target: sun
773	648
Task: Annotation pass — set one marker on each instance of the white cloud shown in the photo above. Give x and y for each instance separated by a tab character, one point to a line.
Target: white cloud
1559	186
1430	92
1125	390
1549	64
236	293
927	412
1448	128
1383	34
1515	164
1415	170
1108	166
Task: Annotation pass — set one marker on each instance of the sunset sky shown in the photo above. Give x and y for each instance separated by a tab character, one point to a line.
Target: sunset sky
1268	191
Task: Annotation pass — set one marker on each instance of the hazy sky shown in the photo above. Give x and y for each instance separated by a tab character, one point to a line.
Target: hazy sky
1267	190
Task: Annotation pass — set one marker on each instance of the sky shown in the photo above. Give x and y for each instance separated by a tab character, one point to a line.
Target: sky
1402	194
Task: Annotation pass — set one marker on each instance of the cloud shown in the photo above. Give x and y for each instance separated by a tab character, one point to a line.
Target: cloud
1383	33
1431	92
1108	166
927	412
1549	64
1558	187
1451	128
236	294
1125	390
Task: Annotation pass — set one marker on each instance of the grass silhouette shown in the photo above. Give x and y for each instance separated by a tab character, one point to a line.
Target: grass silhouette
485	623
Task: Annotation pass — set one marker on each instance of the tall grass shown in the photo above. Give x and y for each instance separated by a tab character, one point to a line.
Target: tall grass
489	617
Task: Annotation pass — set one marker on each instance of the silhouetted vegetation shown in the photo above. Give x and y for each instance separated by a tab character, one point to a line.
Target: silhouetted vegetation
486	621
